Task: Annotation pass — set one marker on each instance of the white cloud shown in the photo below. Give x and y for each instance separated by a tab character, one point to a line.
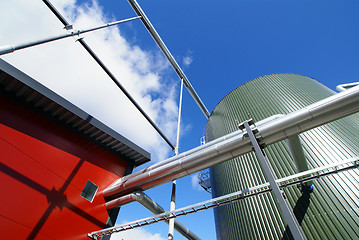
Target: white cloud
136	234
187	60
65	67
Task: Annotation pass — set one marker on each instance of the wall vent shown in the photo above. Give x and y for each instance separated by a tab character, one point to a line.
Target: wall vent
89	191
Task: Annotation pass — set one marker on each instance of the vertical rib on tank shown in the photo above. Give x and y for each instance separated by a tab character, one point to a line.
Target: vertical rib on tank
331	210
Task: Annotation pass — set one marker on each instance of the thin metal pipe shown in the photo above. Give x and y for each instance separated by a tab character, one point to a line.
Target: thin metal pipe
172	208
12	48
136	7
109	73
236	144
154	207
174	183
179	119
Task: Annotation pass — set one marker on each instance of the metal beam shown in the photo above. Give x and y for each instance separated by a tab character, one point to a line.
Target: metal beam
278	194
109	73
136	7
272	130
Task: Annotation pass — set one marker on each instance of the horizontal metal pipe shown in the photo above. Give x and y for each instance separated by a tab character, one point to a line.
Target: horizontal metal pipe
194	150
236	143
151	205
12	48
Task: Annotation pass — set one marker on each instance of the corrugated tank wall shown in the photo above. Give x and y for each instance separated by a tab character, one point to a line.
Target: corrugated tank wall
331	210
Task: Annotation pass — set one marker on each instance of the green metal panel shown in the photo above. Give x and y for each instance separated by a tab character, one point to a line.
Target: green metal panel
331	210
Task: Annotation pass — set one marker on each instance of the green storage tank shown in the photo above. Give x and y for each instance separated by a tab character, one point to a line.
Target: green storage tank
330	211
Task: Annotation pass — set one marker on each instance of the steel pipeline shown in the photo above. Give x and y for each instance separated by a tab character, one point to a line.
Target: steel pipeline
235	144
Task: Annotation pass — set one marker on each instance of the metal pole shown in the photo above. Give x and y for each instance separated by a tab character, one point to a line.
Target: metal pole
173	196
179	118
136	7
109	73
172	208
11	48
269	173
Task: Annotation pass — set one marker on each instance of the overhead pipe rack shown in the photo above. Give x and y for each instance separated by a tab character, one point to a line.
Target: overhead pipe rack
300	178
272	130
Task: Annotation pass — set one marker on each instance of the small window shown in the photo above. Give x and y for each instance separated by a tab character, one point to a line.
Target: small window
89	191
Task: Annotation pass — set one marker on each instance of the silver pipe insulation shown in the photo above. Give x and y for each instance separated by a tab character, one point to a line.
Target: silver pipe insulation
151	205
235	144
192	151
296	150
136	7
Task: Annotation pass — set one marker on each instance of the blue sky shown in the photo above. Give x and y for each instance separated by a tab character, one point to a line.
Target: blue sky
236	41
219	45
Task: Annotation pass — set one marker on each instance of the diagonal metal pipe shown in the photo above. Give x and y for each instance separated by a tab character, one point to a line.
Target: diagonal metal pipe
232	145
151	205
136	7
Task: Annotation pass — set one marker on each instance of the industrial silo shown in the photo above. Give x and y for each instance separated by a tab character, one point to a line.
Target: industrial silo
330	210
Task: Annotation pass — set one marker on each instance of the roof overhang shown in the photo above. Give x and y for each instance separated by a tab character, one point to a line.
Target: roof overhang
27	90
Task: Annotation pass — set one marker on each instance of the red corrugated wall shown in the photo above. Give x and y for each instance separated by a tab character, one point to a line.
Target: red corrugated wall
43	169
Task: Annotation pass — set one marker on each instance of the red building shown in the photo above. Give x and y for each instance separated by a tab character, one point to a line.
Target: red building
55	161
